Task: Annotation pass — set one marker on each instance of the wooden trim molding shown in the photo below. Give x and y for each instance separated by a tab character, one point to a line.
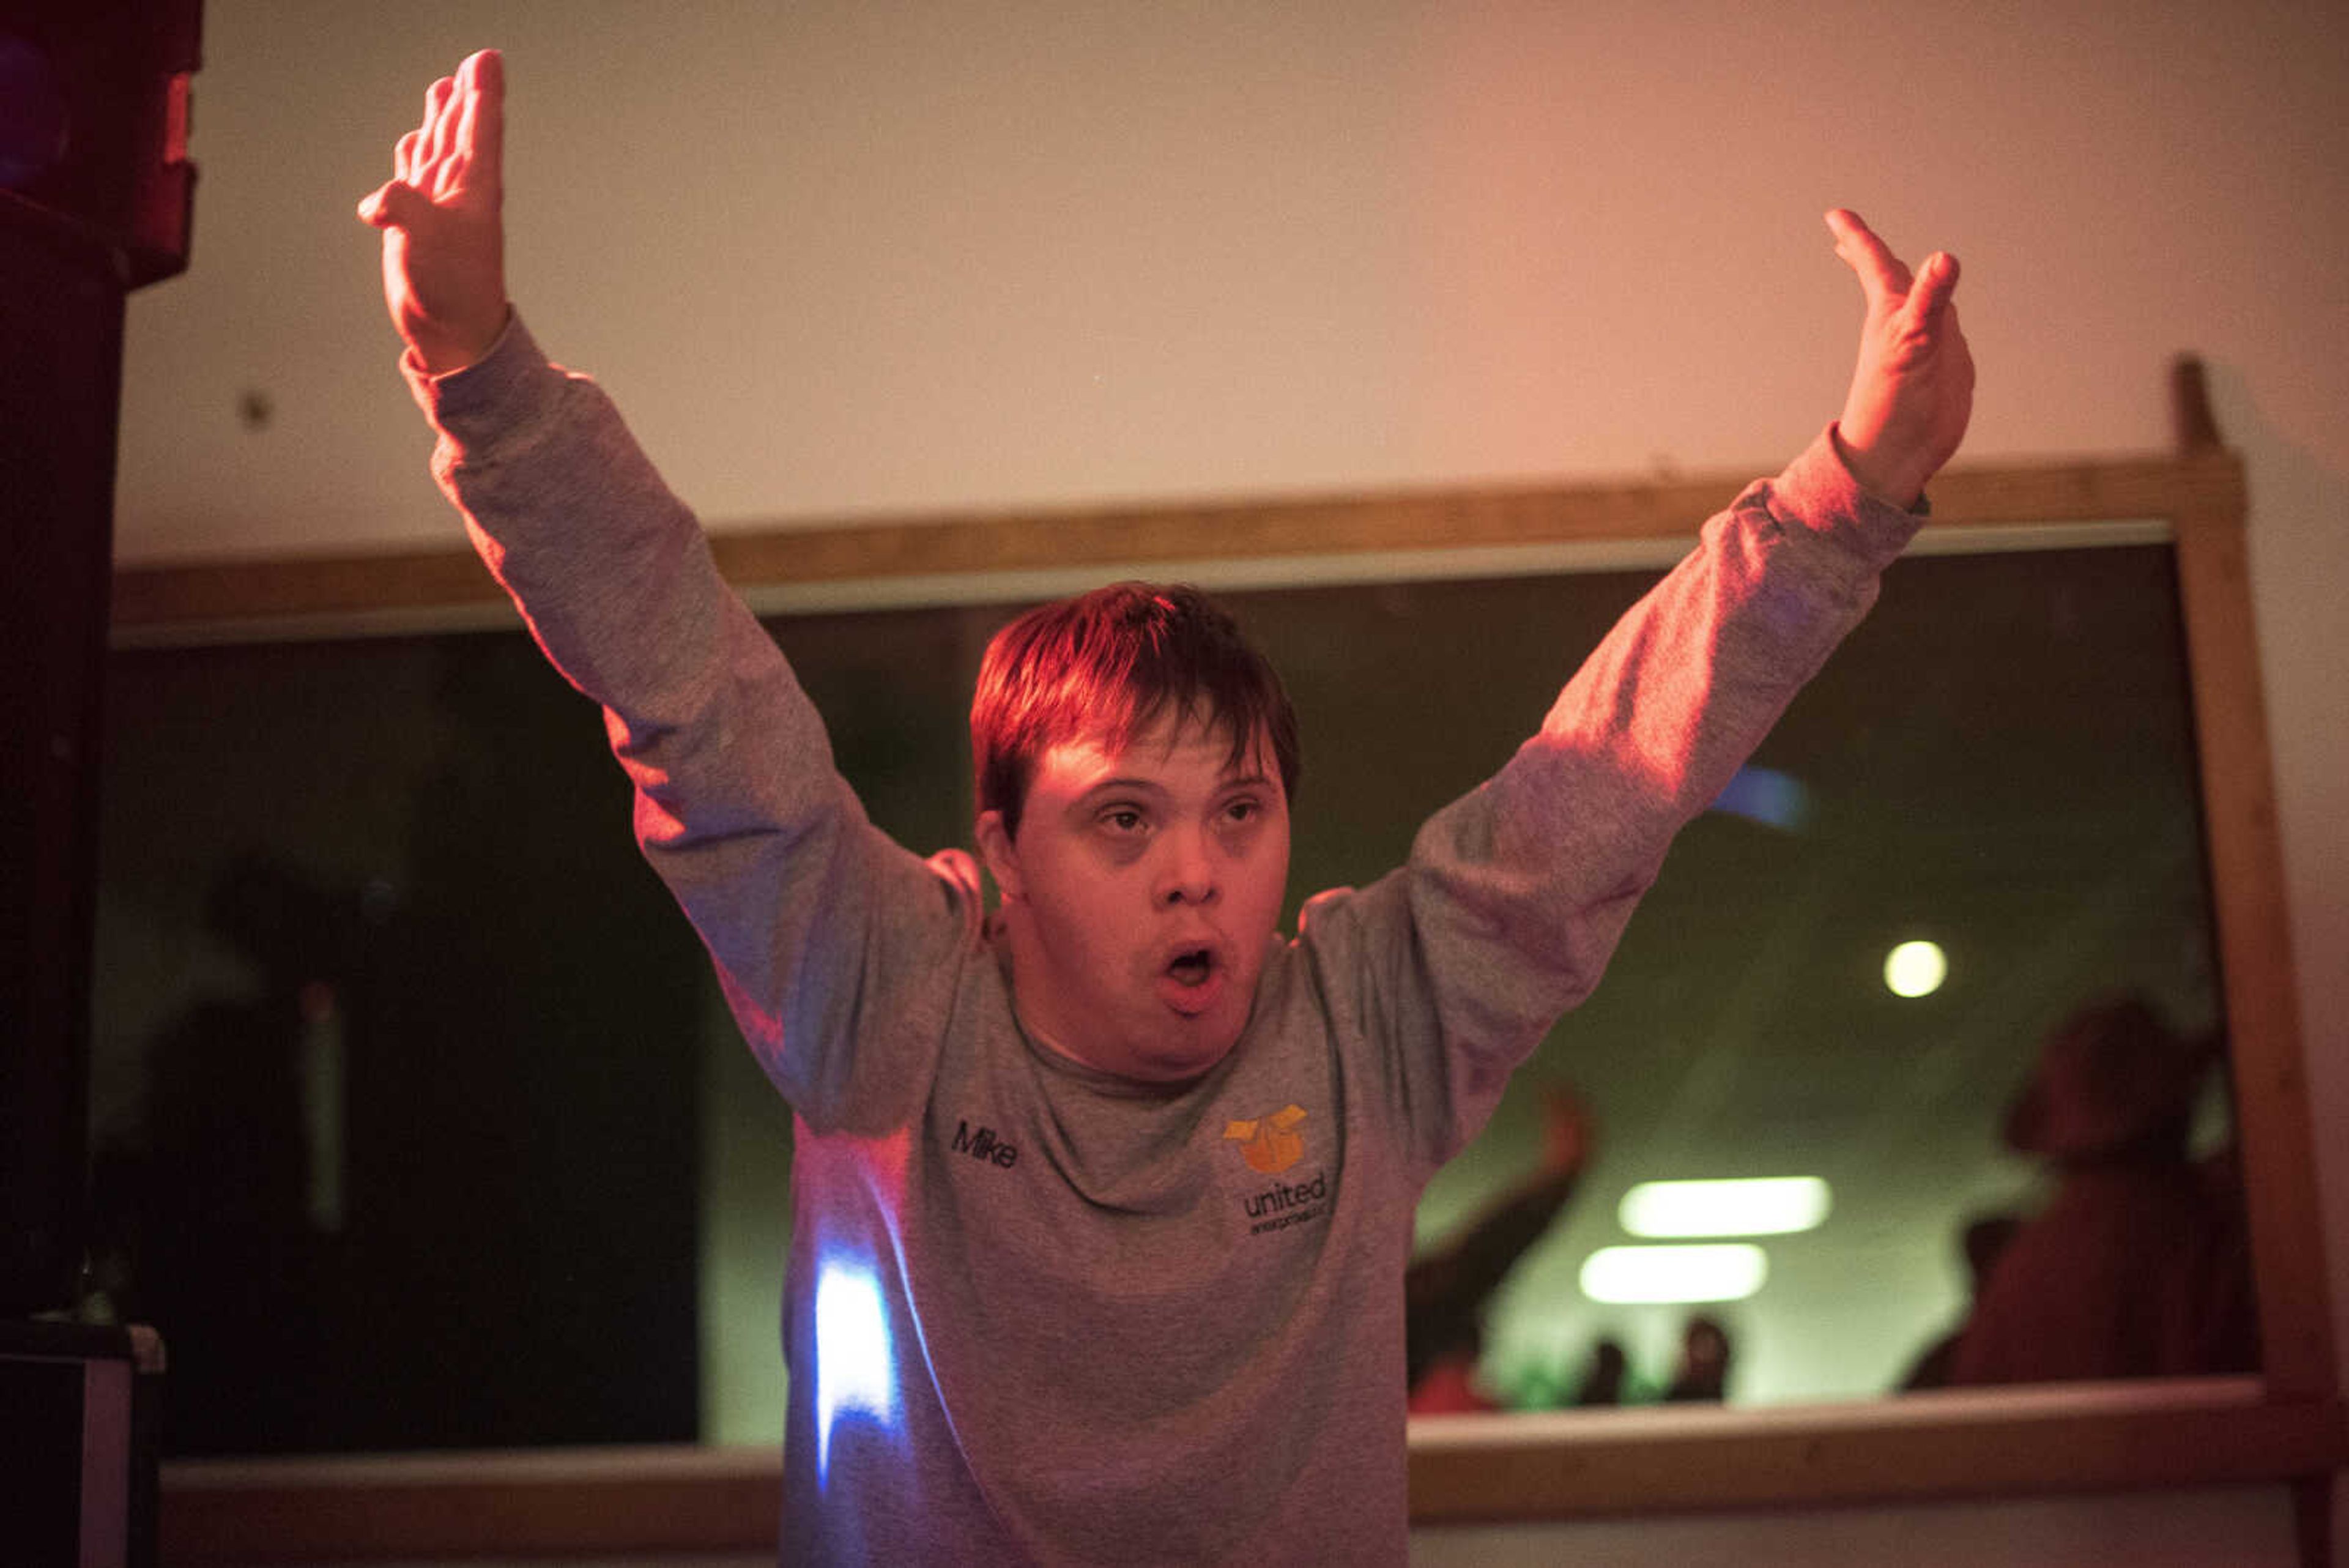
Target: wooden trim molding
256	599
1948	1446
662	1500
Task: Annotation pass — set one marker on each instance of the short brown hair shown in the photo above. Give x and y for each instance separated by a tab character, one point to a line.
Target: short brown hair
1108	663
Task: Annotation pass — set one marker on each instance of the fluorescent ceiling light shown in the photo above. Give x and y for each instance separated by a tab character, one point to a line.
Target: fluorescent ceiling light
1720	1272
1758	1206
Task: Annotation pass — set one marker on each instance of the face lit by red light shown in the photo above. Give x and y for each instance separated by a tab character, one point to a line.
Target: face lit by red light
1140	895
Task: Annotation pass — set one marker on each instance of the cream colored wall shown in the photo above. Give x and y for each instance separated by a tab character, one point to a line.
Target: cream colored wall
854	258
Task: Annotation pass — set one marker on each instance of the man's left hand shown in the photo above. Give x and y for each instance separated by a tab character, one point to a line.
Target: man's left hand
1912	392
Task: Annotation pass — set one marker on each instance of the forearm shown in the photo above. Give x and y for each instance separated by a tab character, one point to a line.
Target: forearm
1519	891
1675	698
738	806
607	566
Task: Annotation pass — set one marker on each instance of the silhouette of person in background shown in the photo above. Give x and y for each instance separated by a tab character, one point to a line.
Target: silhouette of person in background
1603	1380
1703	1375
2139	1264
222	1219
1984	1239
1445	1291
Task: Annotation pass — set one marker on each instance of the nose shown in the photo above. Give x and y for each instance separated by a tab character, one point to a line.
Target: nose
1186	874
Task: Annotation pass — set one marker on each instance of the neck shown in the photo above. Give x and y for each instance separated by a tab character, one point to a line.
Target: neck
1019	952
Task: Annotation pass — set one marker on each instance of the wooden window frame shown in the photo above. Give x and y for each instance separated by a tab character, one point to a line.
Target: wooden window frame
2284	1426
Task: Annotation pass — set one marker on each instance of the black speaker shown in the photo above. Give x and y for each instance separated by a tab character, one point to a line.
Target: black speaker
93	103
94	187
61	306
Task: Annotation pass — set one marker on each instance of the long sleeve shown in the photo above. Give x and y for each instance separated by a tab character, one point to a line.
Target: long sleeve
815	922
1515	896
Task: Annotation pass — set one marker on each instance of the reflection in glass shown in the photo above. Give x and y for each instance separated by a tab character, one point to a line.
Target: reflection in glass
394	878
2000	761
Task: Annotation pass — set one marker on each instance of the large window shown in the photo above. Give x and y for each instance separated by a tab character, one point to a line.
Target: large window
409	1067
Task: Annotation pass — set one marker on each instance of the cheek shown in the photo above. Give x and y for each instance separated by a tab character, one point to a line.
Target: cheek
1082	905
1266	875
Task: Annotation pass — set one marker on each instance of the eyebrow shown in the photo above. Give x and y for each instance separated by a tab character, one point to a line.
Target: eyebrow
1257	780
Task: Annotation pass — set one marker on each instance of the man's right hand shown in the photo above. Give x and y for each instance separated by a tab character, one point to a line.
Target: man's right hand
444	278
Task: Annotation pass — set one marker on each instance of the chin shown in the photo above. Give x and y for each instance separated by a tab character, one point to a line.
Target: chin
1186	1056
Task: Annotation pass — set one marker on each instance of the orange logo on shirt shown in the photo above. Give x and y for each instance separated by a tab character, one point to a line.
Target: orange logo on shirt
1270	1142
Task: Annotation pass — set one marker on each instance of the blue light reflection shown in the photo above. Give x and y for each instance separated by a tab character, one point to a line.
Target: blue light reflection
855	1367
1767	797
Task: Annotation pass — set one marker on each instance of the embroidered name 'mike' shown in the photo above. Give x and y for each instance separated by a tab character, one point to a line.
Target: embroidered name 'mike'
984	1145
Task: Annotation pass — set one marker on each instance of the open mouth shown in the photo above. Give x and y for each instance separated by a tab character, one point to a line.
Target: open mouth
1192	979
1193	967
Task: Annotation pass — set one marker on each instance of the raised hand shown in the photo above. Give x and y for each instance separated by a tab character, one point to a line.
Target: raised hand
444	276
1912	392
1567	1133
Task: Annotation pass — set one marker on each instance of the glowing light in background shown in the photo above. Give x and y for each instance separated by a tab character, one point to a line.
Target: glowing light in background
1720	1272
1767	797
1916	969
1758	1206
855	1370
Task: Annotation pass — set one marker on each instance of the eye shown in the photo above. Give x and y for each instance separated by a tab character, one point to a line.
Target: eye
1245	809
1122	819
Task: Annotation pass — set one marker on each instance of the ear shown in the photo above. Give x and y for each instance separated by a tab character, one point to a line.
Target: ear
1002	856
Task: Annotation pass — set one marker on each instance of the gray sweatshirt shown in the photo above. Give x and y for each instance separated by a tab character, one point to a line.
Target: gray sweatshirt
1036	1312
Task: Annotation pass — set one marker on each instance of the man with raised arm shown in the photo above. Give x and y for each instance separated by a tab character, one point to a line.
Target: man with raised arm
1102	1200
